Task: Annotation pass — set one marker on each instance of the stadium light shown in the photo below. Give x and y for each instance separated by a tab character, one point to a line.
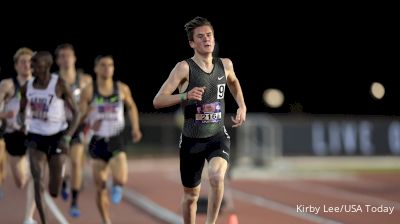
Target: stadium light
273	98
377	90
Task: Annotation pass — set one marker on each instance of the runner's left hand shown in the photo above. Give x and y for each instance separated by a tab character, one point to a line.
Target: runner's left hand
136	136
240	117
64	143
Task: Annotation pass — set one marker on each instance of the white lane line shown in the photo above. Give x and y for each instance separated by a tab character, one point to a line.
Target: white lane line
54	209
281	208
151	207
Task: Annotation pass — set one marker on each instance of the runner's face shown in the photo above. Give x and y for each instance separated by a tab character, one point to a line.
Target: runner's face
40	66
203	40
105	68
23	65
66	58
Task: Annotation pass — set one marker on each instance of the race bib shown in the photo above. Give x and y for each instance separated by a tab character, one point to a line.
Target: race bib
40	107
108	111
208	113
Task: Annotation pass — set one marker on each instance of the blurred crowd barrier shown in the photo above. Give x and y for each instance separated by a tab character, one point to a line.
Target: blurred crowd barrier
264	136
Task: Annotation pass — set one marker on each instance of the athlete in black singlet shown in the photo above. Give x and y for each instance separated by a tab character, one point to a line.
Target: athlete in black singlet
202	80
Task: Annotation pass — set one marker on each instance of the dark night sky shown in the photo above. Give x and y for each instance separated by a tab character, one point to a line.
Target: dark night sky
324	62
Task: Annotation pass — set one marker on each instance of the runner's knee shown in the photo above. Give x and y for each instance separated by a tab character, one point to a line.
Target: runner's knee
191	196
216	178
101	185
76	163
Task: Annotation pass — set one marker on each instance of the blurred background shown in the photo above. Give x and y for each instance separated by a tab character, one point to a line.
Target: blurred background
322	125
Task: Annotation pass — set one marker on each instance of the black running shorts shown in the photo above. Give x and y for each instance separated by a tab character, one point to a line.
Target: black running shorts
194	152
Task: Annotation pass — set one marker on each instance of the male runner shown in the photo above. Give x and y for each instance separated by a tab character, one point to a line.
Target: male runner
10	95
3	154
3	159
104	103
43	115
65	59
201	81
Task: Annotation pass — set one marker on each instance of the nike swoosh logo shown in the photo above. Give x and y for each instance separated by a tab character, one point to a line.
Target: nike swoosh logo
219	78
113	99
225	152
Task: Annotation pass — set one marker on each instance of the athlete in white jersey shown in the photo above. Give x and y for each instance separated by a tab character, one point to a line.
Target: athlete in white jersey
42	109
3	154
65	59
105	101
10	95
